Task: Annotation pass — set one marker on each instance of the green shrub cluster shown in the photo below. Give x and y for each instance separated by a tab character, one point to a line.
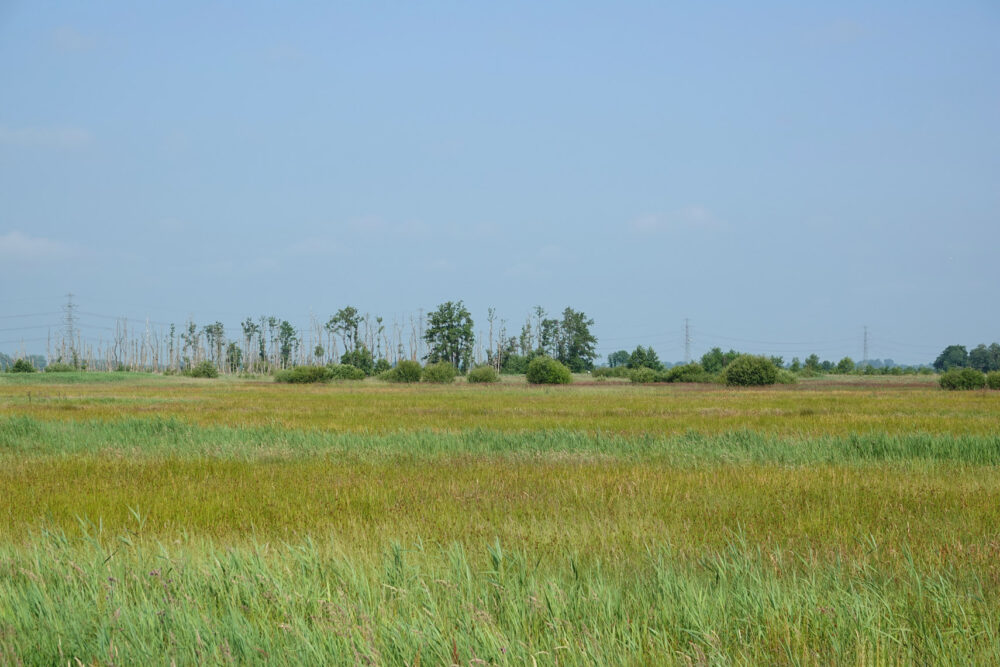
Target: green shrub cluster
441	372
204	369
692	372
345	372
610	372
546	370
749	370
646	375
22	366
958	379
993	379
59	367
309	374
483	374
302	375
405	371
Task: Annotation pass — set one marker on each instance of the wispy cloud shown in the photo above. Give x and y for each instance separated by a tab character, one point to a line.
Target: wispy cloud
45	137
685	219
17	246
70	40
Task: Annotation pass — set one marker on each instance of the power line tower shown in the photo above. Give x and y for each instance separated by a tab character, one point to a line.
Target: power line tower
864	360
69	326
687	341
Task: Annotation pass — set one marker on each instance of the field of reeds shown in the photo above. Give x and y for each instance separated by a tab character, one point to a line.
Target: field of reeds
153	520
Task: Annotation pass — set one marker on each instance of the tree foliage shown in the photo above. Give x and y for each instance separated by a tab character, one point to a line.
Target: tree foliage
951	357
962	379
749	370
449	335
546	370
644	357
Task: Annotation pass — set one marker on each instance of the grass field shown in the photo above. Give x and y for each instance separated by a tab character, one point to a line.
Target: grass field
157	520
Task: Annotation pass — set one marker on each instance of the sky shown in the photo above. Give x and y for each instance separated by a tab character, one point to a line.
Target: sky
781	175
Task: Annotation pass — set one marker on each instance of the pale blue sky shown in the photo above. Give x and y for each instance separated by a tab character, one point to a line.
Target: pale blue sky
780	173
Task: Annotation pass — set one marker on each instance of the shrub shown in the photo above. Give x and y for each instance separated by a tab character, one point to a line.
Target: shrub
610	372
204	369
304	375
546	370
993	380
958	379
748	370
692	372
440	373
483	374
405	371
59	367
22	366
360	358
515	364
645	375
345	372
381	366
785	377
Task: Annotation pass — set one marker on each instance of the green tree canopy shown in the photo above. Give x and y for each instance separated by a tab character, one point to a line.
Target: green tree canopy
951	357
449	335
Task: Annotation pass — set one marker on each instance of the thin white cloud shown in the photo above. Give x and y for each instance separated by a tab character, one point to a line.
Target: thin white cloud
687	218
16	246
45	137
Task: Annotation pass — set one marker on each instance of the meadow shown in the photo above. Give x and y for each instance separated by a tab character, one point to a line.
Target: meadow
151	519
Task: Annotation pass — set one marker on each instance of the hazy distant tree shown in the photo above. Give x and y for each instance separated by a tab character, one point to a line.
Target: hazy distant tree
796	365
981	359
346	323
644	357
951	357
215	340
812	363
234	357
845	365
449	335
715	359
286	342
994	349
578	343
619	358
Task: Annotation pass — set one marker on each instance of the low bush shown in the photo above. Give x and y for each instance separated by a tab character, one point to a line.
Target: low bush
22	366
749	370
608	372
405	371
546	370
785	377
381	366
441	372
483	374
692	372
204	369
959	379
59	367
304	374
993	380
645	375
345	372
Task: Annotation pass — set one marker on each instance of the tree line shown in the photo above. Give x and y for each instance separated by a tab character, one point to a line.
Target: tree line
347	337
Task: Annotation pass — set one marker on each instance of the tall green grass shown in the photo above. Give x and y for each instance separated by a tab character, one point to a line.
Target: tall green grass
129	600
171	437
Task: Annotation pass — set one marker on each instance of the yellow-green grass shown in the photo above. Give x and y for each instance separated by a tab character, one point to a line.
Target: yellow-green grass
157	520
637	410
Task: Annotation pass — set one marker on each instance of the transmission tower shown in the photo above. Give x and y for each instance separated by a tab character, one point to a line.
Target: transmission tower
687	341
865	355
69	324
